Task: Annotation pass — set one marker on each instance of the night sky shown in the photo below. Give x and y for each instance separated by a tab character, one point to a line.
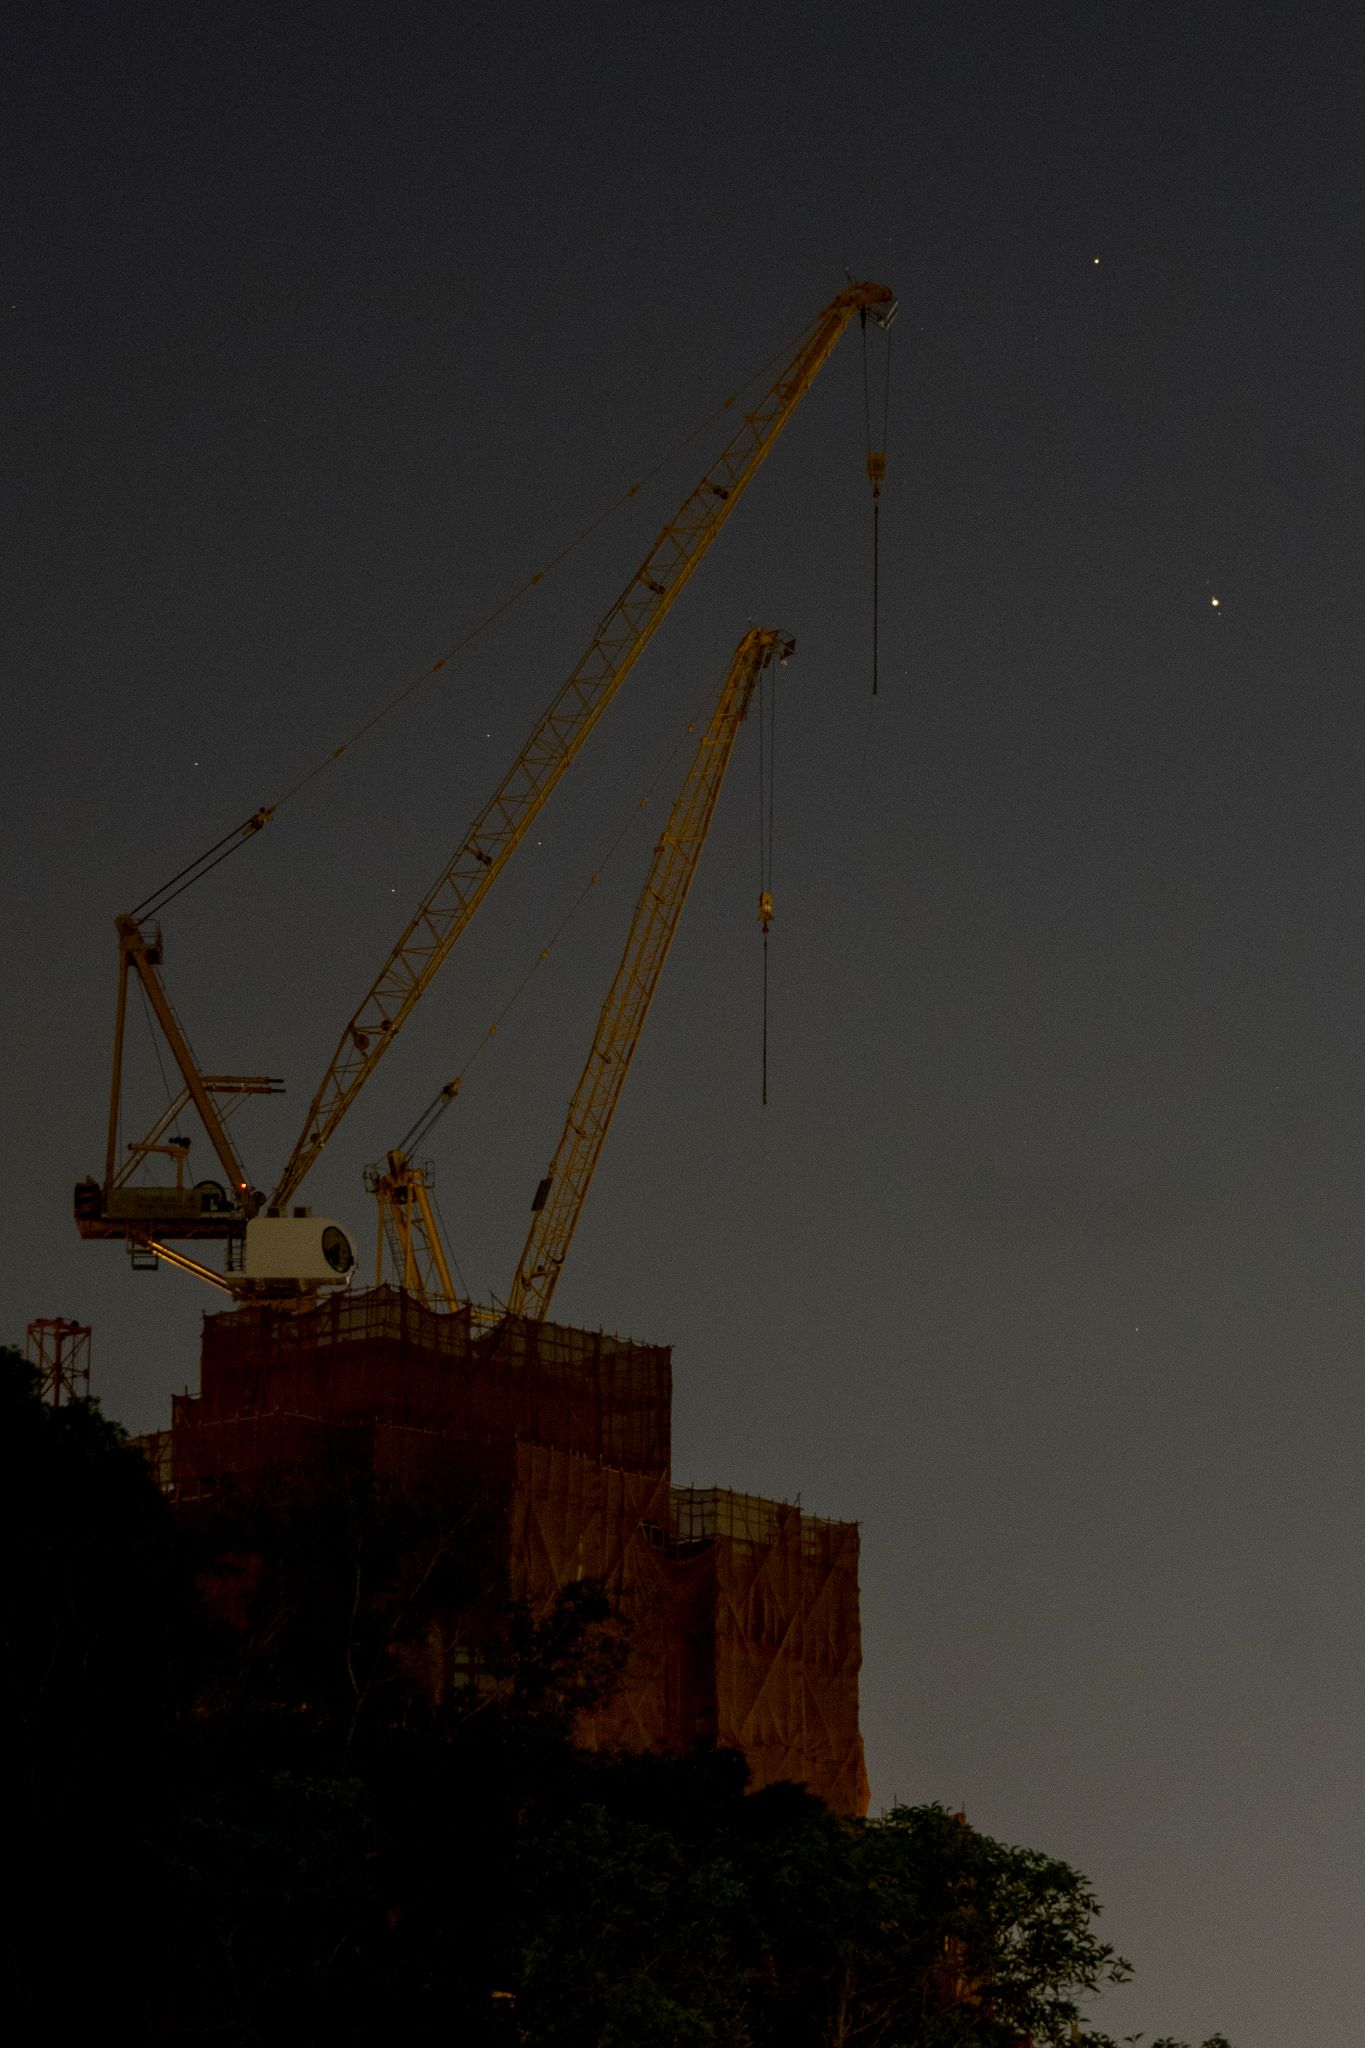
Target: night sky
327	326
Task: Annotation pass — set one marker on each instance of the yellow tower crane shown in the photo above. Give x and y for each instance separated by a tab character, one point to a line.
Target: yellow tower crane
147	1216
406	1226
618	643
559	1199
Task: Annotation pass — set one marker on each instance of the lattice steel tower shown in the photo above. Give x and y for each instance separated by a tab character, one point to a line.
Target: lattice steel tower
61	1352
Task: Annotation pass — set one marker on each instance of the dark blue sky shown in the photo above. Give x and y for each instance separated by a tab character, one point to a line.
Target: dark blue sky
324	327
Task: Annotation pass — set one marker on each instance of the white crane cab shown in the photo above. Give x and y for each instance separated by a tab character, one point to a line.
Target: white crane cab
309	1251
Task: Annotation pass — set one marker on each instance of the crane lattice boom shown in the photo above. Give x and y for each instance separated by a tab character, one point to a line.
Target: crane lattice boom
560	1197
407	1223
619	641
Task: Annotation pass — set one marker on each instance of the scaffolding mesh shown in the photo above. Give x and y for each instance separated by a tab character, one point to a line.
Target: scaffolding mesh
743	1612
785	1646
155	1447
703	1512
380	1356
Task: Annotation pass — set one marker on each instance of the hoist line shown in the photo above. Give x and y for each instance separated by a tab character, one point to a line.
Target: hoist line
765	1020
876	584
450	1245
767	757
873	477
763	871
156	1045
862	752
204	863
877	517
867	394
772	775
762	778
432	1114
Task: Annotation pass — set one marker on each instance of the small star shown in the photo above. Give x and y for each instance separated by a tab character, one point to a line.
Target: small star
1215	602
1095	259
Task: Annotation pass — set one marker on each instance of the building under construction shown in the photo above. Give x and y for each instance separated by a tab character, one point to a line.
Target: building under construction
743	1612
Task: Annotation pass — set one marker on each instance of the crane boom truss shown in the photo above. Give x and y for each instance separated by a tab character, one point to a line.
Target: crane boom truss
620	639
143	956
407	1223
560	1197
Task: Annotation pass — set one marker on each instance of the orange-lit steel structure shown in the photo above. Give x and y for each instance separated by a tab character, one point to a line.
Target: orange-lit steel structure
743	1612
61	1351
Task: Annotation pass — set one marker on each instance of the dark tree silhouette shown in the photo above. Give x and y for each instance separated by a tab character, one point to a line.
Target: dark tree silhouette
289	1766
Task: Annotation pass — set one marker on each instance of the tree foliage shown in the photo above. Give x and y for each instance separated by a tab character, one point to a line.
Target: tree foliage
337	1799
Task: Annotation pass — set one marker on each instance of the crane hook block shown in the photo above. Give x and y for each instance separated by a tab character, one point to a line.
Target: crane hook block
876	468
765	908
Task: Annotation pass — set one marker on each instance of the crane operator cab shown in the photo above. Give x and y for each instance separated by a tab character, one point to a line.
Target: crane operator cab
301	1251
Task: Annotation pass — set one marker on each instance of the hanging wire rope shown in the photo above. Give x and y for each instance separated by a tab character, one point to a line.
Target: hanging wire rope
866	741
195	870
156	1044
876	471
449	1244
772	772
762	769
767	757
867	388
876	585
876	530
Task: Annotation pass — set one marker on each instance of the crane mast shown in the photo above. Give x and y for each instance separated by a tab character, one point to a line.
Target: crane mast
142	956
620	639
115	1207
560	1197
406	1222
